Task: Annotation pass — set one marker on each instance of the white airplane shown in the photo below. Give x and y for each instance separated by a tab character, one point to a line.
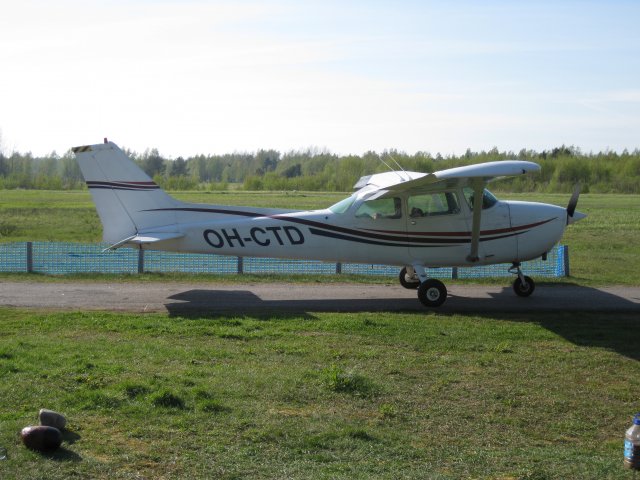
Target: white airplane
409	219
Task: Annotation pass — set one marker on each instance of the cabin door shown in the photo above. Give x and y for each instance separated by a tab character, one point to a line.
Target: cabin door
437	228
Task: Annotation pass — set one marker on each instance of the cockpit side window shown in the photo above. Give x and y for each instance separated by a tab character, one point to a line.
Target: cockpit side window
431	204
380	208
488	199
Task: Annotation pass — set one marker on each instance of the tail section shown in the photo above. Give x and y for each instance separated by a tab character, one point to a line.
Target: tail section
129	203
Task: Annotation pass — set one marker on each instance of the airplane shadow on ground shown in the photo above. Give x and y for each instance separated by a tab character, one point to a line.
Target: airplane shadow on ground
216	304
582	315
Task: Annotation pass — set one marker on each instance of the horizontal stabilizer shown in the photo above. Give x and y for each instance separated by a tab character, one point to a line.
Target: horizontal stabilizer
144	238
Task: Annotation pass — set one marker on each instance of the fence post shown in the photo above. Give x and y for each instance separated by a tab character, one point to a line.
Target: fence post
29	257
140	260
240	265
565	256
338	268
454	273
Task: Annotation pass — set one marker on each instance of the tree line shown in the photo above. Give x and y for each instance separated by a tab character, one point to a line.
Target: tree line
320	170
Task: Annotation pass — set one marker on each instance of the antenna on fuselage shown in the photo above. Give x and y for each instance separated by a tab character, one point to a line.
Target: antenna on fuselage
395	171
399	166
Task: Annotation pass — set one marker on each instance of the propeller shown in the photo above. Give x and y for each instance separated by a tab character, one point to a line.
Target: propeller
571	208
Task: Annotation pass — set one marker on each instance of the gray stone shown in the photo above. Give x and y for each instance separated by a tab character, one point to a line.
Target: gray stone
50	418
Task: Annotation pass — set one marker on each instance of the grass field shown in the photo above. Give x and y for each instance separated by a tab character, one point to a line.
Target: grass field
604	248
319	395
323	395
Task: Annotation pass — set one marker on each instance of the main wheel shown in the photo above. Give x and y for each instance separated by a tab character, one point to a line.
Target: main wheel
408	281
524	289
432	293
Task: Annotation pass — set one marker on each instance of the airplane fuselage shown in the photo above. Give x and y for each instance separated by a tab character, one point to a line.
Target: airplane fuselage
510	232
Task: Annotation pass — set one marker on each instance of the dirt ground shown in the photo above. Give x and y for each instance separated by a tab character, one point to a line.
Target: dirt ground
304	298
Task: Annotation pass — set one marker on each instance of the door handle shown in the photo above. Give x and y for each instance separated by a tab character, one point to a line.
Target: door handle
413	222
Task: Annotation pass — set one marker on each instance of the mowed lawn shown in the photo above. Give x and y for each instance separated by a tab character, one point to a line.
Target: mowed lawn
322	396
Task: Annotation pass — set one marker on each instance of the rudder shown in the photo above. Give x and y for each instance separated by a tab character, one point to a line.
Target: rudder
128	201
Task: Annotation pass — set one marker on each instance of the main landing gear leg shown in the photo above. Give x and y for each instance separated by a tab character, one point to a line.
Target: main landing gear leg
523	285
431	292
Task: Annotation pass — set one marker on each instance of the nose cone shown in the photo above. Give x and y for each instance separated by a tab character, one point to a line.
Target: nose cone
538	226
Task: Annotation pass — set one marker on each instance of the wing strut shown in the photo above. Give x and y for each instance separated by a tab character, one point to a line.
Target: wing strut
478	192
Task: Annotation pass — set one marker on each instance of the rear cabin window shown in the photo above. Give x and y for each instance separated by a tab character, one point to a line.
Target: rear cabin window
380	208
432	204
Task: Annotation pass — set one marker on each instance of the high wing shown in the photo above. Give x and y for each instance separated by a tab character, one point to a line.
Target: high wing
396	182
387	179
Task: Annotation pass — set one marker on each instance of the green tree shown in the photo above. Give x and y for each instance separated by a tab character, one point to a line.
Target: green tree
69	170
266	161
177	168
293	171
152	163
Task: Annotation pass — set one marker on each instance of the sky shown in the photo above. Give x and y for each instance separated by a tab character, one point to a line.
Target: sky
212	77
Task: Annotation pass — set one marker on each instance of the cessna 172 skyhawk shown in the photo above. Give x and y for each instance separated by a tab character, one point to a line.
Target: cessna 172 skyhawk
409	219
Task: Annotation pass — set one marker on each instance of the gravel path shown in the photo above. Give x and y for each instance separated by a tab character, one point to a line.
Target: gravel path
301	298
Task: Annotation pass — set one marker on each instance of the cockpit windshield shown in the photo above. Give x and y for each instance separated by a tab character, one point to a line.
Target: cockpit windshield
488	199
343	205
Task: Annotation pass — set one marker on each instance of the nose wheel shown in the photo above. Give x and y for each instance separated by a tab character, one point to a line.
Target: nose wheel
523	286
524	289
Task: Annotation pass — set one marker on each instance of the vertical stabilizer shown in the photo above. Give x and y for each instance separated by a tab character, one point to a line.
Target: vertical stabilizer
127	200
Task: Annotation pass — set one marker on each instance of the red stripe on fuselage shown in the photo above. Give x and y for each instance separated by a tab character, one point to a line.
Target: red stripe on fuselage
465	234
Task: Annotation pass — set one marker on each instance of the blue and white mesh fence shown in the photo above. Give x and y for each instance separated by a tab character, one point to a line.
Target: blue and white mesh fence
56	258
